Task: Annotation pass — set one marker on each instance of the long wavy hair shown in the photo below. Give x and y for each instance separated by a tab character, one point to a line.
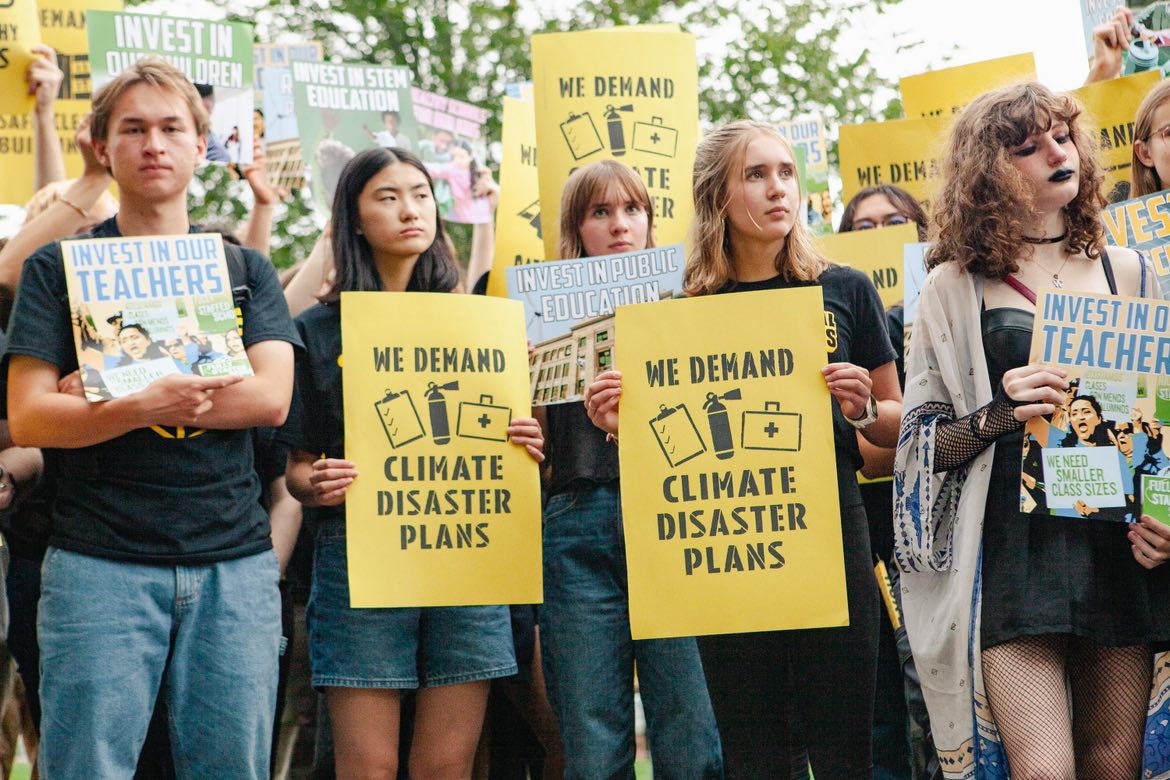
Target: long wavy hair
584	187
435	270
984	202
1144	177
710	266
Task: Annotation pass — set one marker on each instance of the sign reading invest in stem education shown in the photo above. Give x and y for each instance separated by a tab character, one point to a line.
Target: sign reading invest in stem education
626	95
1110	107
18	34
1092	457
729	480
147	306
944	92
809	136
878	253
445	510
451	143
343	109
903	152
569	307
518	228
213	55
1143	224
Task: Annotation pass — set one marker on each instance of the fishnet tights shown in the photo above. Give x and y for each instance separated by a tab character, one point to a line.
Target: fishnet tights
1025	680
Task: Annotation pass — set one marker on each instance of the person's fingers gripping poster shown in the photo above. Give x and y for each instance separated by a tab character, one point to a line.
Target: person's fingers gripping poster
445	510
729	487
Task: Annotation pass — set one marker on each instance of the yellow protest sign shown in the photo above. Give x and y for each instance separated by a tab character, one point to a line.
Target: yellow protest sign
626	95
1110	107
729	480
18	34
518	218
878	253
944	92
903	152
445	510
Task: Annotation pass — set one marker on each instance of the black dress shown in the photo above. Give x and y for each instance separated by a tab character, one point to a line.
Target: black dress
1042	574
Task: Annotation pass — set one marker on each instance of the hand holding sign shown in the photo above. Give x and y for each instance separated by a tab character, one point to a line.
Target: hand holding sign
330	479
602	399
1150	542
1038	385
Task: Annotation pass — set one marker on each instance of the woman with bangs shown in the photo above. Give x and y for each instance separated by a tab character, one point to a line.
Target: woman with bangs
587	652
774	692
1008	611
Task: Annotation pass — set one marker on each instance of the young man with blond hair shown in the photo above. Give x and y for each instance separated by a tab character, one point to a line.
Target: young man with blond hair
160	572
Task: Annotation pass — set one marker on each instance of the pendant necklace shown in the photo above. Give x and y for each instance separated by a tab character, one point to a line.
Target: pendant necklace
1055	276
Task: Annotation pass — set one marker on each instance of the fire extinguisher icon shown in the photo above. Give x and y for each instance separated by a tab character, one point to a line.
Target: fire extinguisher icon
617	136
721	440
437	404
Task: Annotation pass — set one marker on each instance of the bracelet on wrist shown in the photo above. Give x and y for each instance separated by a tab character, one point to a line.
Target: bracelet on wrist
84	214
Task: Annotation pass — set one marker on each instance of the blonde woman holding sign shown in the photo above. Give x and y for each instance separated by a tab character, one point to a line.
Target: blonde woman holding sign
1006	609
387	235
747	236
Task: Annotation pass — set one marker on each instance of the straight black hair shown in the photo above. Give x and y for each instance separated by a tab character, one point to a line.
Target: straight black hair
436	269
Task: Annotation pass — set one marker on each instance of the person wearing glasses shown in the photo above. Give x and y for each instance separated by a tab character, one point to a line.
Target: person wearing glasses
1150	172
882	206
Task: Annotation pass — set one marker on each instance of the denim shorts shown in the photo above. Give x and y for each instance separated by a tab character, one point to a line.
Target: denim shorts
401	648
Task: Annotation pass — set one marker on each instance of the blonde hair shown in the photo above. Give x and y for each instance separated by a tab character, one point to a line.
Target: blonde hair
1145	179
156	72
710	267
588	183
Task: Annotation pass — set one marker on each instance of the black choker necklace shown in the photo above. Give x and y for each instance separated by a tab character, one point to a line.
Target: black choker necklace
1046	240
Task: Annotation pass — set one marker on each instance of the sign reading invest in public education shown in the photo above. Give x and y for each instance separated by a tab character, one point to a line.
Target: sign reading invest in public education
569	311
903	152
729	480
215	55
627	95
445	510
944	92
1090	458
518	220
345	108
879	254
144	307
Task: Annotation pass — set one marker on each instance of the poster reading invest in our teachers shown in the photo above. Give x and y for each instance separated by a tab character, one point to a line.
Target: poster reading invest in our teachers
1102	454
729	486
625	94
445	510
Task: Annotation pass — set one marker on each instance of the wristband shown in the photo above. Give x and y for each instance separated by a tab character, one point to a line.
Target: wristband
84	214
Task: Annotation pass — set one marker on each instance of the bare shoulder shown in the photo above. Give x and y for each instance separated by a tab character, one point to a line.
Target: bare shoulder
1128	272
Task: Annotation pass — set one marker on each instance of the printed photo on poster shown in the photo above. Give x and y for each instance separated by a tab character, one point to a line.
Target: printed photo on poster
147	307
452	145
342	109
569	312
1091	458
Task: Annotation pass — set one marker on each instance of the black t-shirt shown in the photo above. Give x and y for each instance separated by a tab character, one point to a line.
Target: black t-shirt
314	421
151	495
878	497
576	448
855	329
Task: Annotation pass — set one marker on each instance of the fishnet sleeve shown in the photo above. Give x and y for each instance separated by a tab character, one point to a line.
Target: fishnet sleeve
957	442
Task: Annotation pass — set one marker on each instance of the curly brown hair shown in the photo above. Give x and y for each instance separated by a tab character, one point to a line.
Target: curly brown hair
984	201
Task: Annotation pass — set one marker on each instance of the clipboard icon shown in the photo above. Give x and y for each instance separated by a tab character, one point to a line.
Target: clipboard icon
676	434
581	135
400	419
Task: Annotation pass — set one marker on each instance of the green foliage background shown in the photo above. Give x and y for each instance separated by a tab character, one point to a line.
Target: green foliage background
767	61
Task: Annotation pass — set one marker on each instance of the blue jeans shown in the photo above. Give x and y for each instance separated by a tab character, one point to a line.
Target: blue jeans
589	657
113	632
